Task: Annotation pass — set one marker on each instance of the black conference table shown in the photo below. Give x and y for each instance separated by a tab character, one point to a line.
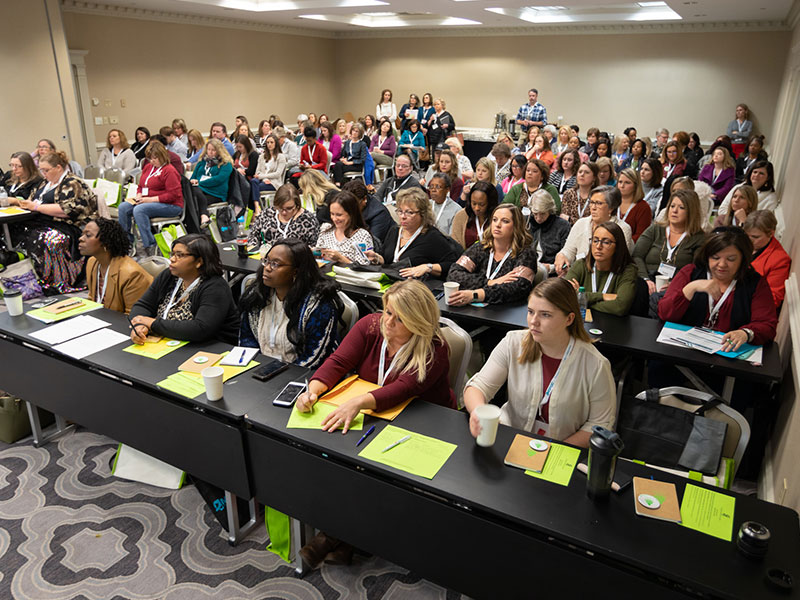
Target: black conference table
490	531
115	393
633	335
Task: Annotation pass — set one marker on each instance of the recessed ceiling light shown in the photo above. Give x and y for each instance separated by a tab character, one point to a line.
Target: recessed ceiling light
651	4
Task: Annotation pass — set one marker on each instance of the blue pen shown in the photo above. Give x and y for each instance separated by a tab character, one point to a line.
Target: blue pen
363	437
241	358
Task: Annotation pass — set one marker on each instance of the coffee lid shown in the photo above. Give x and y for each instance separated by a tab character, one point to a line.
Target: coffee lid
11	293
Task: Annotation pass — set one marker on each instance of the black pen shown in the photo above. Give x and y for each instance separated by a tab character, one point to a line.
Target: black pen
363	437
136	325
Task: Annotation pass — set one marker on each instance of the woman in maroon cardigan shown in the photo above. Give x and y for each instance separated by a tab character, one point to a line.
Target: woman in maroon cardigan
401	349
722	291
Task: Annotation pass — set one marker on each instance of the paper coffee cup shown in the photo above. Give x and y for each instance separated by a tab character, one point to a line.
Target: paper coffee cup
661	282
212	377
13	300
449	288
489	416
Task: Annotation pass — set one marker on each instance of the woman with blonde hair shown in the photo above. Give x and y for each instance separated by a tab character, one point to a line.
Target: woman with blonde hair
316	193
743	202
211	176
720	173
401	349
196	146
605	171
620	153
485	170
181	131
117	152
559	385
501	267
632	209
441	124
561	142
415	246
670	242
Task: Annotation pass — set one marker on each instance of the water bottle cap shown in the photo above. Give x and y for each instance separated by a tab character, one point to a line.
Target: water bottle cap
605	441
581	289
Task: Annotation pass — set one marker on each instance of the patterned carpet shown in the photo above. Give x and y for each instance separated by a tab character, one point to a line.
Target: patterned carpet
71	531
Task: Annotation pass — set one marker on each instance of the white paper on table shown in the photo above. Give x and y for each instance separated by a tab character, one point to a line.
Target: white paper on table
93	342
71	328
234	357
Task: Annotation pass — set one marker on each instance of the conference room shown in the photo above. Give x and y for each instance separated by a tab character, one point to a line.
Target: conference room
341	71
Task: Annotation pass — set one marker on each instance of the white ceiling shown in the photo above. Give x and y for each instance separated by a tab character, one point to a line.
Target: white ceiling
342	16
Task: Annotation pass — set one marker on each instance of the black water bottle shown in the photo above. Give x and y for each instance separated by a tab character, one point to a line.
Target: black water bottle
604	447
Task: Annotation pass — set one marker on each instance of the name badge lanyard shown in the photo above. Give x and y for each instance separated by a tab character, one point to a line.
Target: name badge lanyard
100	295
382	374
671	249
181	299
273	324
285	230
714	308
153	173
582	211
114	157
549	391
441	210
479	228
670	169
398	251
608	281
497	268
627	212
562	184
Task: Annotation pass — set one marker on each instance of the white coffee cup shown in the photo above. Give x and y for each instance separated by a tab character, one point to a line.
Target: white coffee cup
13	299
661	282
212	377
4	202
449	288
489	417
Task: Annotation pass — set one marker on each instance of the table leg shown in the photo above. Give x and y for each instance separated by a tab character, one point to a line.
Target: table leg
39	437
301	535
237	532
7	235
727	389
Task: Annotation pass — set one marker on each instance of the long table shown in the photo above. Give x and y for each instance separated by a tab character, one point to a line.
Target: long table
491	531
115	393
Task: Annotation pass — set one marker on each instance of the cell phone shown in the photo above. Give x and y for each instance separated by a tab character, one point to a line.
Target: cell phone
289	394
44	303
269	370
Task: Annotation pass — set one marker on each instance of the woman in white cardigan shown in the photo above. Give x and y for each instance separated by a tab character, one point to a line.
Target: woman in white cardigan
117	153
559	385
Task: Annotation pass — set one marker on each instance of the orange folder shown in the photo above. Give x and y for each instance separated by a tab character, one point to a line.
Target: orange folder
355	386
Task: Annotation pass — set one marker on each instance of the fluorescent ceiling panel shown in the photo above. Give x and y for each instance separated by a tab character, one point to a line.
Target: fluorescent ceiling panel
640	11
391	19
286	5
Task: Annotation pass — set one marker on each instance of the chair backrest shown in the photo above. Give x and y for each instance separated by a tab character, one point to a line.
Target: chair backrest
541	275
114	174
76	168
102	207
460	344
154	264
393	211
328	162
246	281
92	172
349	316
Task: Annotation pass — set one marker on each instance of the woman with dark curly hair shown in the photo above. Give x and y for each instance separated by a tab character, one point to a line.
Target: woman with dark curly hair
291	311
114	278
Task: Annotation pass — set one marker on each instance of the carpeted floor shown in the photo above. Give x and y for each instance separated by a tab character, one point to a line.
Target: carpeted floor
71	531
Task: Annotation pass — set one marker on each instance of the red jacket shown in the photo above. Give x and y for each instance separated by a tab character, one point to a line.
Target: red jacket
639	217
163	182
773	263
318	159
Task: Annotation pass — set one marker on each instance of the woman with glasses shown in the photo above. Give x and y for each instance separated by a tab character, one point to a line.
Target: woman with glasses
444	207
415	247
22	178
603	204
501	267
607	274
291	311
346	238
284	219
190	301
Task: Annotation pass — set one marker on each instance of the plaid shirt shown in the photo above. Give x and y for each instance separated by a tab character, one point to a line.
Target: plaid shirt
537	112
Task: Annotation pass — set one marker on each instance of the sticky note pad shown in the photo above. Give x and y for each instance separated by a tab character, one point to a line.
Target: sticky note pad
708	512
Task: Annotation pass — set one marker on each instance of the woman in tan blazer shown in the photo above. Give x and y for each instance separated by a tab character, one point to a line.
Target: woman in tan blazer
114	278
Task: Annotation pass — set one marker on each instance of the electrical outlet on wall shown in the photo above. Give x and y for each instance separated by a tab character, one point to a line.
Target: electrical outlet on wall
113	119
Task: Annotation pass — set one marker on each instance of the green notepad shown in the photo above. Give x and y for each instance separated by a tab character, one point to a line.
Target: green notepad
708	512
313	419
40	314
560	464
183	384
154	350
421	455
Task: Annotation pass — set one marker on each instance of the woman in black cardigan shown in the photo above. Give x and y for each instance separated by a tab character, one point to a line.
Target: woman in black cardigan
416	247
549	231
190	301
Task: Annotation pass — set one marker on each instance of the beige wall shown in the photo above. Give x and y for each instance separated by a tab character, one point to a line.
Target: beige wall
35	68
611	81
202	74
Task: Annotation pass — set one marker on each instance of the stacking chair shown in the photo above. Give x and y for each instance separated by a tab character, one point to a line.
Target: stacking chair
92	172
460	344
154	264
116	175
349	316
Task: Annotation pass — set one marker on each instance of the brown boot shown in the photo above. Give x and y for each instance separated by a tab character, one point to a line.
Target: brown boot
343	555
315	551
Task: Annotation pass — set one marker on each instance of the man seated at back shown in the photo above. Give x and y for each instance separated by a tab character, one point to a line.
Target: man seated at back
220	132
402	179
174	143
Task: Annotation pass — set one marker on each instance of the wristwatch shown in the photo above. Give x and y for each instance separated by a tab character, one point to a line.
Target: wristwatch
430	267
475	296
750	334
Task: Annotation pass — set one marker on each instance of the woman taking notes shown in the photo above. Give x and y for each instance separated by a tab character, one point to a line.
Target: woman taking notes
470	222
114	279
722	291
190	301
345	239
559	385
290	311
402	350
501	267
607	274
